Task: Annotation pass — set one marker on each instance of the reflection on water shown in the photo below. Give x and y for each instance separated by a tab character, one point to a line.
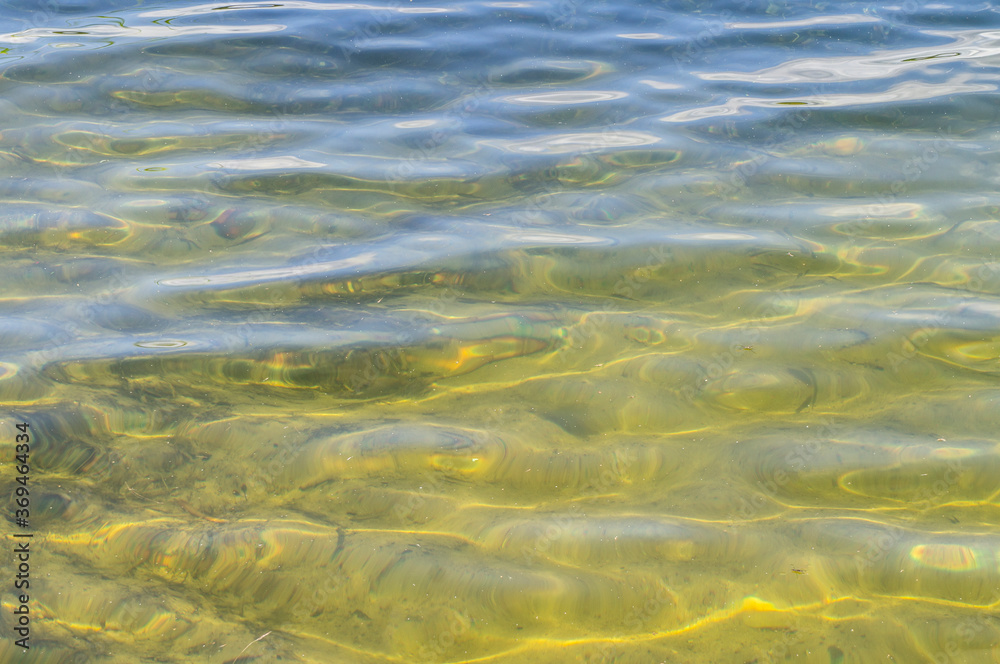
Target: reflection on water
503	331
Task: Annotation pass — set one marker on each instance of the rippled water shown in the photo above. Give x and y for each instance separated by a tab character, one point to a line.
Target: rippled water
503	331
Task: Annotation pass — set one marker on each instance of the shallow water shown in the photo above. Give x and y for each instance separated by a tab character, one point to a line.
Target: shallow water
503	331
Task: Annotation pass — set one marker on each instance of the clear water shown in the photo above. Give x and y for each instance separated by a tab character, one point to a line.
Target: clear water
503	331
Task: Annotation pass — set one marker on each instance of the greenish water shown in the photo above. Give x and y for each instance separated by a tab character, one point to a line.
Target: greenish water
502	331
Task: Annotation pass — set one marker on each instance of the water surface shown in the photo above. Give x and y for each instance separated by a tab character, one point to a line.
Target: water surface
503	331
